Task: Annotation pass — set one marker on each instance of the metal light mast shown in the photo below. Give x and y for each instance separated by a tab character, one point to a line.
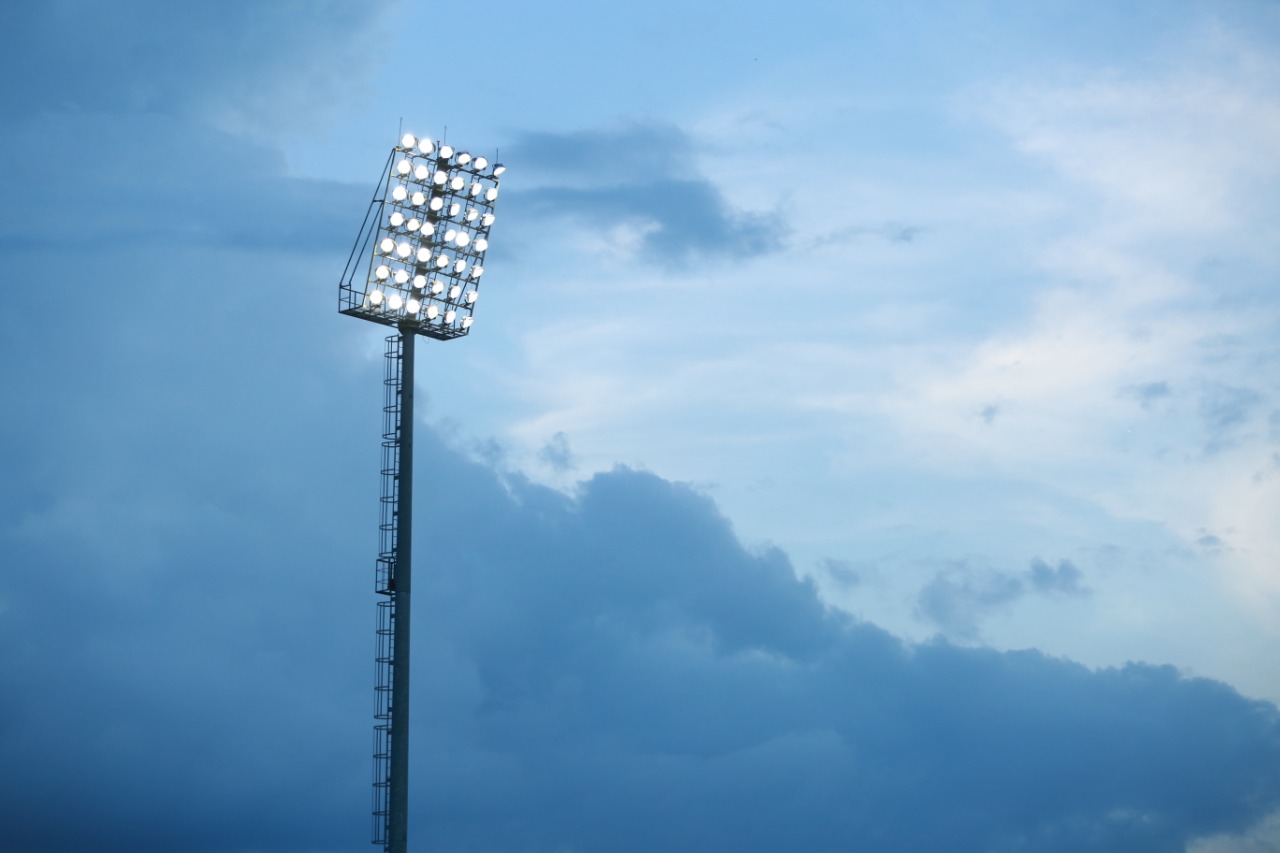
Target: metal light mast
425	235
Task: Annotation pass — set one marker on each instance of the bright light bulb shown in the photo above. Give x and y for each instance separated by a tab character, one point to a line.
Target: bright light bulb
455	292
375	297
491	194
481	244
454	209
487	220
449	315
399	193
437	286
463	239
407	141
387	246
476	272
412	306
437	203
432	312
382	272
419	199
394	302
472	296
481	162
466	322
446	151
403	249
420	281
425	145
428	228
472	214
403	167
457	183
439	178
450	235
475	189
464	158
424	255
397	219
413	225
459	266
401	276
442	261
498	168
421	172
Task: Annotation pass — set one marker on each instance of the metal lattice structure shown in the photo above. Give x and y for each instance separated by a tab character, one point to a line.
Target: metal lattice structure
384	584
424	235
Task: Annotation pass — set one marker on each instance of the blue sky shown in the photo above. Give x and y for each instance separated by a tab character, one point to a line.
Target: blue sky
869	436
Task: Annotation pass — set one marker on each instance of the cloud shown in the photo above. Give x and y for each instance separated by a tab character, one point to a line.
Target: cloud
956	600
639	184
1224	409
609	671
239	64
1148	393
557	454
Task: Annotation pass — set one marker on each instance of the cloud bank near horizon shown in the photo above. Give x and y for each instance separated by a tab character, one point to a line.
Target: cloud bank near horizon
608	670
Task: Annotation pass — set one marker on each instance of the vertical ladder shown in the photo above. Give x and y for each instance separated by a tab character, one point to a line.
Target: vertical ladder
385	584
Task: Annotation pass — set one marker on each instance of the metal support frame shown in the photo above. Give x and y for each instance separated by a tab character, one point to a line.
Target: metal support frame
394	579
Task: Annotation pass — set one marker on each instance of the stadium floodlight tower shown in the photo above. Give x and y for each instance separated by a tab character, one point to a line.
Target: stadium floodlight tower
425	235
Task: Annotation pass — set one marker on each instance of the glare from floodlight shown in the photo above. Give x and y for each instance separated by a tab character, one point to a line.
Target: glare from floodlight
446	151
408	141
498	169
481	163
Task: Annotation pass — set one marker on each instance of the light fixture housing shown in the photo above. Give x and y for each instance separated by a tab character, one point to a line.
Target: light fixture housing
388	287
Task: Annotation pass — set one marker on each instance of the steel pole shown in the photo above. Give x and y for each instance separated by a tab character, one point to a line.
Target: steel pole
398	806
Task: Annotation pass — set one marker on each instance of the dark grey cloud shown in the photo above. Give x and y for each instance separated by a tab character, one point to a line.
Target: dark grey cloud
236	60
609	671
957	599
641	176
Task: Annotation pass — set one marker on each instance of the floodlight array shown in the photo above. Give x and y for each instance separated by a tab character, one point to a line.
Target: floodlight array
428	249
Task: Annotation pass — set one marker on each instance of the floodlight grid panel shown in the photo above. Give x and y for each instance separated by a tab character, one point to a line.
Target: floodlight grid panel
428	245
